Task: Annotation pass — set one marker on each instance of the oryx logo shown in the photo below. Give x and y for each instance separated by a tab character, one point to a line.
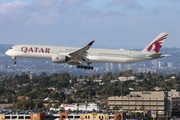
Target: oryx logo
156	45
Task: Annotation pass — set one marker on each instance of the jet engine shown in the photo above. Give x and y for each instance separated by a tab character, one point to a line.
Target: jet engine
60	58
73	62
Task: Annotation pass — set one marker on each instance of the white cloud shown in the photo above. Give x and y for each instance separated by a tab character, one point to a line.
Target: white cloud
12	8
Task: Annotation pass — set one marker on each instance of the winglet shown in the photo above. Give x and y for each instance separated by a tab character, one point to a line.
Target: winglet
91	43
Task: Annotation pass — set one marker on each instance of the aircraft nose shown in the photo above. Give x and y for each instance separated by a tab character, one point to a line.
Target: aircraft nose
7	52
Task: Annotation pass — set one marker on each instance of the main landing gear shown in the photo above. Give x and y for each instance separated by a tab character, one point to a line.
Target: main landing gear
84	67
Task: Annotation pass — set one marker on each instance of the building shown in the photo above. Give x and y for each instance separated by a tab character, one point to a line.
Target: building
164	103
22	98
64	116
122	79
81	107
173	103
94	116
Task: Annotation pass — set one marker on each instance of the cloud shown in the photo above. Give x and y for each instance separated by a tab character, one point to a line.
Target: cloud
128	4
13	12
82	20
47	12
158	10
70	3
45	4
12	8
40	12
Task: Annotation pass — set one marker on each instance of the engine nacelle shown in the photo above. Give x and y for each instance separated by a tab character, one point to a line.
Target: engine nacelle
60	58
73	62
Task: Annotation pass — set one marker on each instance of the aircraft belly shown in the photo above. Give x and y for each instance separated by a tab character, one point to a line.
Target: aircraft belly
118	60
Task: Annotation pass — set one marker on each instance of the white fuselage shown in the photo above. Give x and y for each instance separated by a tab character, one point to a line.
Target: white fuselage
95	55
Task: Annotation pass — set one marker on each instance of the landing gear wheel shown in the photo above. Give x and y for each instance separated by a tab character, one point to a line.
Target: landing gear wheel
84	67
14	60
91	67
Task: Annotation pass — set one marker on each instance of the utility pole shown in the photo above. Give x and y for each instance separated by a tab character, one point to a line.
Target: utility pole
121	89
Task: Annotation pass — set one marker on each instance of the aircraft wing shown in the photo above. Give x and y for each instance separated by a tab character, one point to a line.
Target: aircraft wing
81	54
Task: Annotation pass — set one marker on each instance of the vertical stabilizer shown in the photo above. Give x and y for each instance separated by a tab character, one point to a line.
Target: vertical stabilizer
156	44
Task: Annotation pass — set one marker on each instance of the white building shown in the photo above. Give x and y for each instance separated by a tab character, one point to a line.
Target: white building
126	78
169	64
81	106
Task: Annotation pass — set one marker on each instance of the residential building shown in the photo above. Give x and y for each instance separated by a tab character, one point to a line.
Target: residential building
23	97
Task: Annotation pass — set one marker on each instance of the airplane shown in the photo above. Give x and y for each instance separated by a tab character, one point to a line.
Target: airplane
87	55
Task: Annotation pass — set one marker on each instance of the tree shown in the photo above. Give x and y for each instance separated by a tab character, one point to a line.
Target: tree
62	97
8	92
135	109
49	105
86	105
77	108
107	107
1	90
120	107
137	115
56	105
23	105
132	115
128	73
70	100
142	107
64	77
62	109
69	111
108	76
139	75
118	117
24	90
95	76
116	108
38	104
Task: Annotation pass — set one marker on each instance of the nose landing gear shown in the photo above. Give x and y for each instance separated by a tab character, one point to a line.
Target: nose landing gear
14	60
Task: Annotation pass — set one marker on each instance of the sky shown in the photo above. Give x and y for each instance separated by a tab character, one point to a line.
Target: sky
111	23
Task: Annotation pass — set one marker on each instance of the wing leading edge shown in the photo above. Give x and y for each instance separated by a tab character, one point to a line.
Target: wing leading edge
81	54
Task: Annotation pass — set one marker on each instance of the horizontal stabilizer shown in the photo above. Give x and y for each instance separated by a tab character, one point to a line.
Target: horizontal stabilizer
166	55
156	55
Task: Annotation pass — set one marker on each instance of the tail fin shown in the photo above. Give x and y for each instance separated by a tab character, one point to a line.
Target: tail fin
156	44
